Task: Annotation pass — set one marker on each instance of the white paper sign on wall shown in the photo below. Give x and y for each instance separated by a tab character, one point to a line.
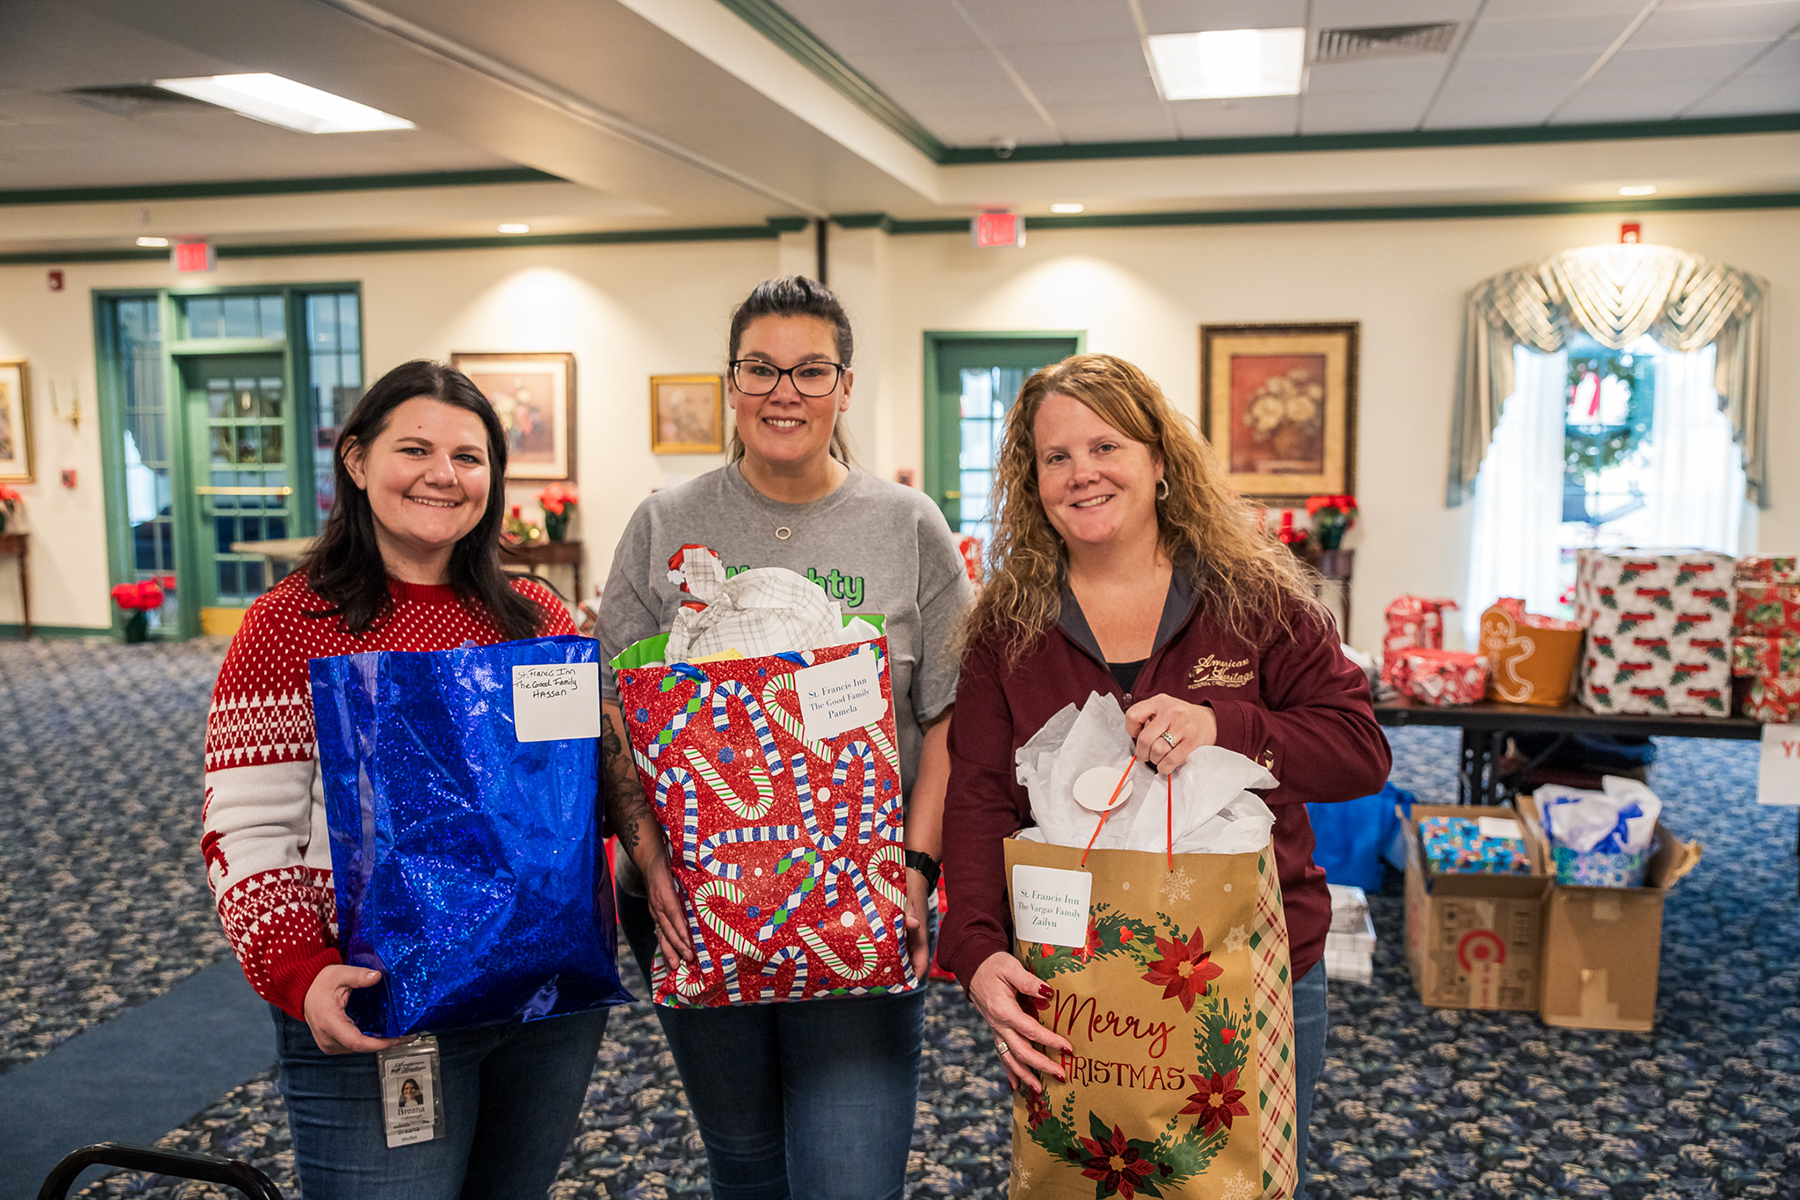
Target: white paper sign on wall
1778	775
552	702
1051	905
840	695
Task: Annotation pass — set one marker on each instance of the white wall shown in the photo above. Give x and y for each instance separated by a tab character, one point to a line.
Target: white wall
629	312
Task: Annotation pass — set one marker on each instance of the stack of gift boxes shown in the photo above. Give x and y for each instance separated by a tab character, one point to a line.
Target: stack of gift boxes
1765	638
1659	631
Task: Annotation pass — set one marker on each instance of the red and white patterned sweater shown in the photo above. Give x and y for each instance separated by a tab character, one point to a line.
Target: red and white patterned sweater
268	859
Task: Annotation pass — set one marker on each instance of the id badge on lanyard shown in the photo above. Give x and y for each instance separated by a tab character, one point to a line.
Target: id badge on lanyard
412	1094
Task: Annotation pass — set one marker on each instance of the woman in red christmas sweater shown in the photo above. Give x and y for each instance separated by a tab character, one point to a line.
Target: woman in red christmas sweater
409	560
1124	565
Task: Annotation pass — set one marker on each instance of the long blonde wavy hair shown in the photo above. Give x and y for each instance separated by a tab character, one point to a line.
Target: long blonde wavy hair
1250	582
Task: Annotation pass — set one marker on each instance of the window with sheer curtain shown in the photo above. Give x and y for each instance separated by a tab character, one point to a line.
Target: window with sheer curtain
1584	457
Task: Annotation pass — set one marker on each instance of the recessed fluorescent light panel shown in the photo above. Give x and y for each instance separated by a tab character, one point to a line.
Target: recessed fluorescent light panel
514	227
1068	207
1224	63
153	242
1640	189
279	101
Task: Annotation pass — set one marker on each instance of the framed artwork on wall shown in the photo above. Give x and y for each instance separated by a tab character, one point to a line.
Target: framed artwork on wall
534	393
15	422
1278	404
687	414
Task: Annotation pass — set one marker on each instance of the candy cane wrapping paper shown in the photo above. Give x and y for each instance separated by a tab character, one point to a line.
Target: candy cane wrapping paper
790	850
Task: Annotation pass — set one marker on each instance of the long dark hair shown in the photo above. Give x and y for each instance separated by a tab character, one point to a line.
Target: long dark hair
345	566
795	296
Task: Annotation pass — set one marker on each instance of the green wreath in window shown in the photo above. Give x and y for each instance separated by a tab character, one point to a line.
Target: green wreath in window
1589	449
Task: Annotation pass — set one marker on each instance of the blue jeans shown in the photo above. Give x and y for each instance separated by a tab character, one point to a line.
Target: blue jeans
512	1097
1309	1058
812	1100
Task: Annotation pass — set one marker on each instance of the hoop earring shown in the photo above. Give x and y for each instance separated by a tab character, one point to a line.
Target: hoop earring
1162	489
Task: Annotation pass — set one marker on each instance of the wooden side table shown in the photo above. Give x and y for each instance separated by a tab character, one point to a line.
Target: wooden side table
548	554
16	545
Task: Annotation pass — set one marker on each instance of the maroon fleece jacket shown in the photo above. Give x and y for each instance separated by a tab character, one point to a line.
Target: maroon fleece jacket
1297	706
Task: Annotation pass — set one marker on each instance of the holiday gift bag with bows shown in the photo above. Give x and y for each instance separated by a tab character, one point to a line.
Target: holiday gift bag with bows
777	781
1169	975
462	798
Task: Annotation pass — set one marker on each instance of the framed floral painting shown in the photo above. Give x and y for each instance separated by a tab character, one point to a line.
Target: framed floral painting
535	397
15	423
1278	404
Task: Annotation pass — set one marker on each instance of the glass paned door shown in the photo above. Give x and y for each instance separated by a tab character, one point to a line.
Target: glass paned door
238	417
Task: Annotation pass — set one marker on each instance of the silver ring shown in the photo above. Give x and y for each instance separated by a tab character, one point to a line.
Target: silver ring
1169	738
1001	1048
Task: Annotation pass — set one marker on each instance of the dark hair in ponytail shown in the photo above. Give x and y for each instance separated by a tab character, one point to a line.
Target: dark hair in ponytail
345	566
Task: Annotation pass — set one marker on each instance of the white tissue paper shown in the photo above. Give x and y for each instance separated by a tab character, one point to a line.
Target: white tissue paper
1583	819
768	610
1214	813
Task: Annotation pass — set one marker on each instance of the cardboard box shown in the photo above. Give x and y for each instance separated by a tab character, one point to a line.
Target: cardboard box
1602	945
1473	940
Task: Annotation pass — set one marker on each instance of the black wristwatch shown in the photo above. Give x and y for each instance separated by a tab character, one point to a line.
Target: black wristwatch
925	865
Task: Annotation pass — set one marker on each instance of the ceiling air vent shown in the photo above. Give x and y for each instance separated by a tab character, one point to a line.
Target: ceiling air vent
1384	41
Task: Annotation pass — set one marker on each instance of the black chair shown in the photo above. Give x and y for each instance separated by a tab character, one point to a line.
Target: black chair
174	1163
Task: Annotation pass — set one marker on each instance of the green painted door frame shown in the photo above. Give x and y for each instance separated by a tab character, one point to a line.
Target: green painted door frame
947	355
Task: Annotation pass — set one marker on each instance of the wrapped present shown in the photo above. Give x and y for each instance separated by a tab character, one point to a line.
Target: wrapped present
1658	631
1461	845
1767	568
461	796
1599	838
1531	658
777	780
1765	657
1411	621
1768	610
1649	589
1774	701
1445	677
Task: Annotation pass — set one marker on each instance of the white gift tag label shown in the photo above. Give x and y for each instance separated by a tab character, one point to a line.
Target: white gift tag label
1102	789
1778	774
840	695
1051	905
556	701
1498	827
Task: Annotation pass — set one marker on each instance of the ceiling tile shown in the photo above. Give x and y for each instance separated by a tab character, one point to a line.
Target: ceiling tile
1114	122
1512	10
1647	100
1540	71
986	124
1709	62
1463	107
1753	92
1574	32
1051	22
1194	16
1261	116
1362	112
1785	57
940	81
852	27
1405	76
1717	23
1109	73
55	46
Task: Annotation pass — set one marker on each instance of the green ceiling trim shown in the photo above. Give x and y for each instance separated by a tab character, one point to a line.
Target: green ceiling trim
789	224
804	47
274	187
614	237
875	220
1410	139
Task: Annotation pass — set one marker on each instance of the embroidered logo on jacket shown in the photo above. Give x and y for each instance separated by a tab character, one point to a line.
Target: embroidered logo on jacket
1216	672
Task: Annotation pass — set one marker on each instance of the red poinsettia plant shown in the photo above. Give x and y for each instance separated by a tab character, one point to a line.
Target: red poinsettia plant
141	596
9	504
556	498
1332	517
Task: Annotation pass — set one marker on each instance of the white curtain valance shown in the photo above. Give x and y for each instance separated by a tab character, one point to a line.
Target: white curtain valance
1614	294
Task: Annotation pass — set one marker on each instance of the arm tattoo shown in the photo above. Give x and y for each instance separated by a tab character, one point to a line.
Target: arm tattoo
626	807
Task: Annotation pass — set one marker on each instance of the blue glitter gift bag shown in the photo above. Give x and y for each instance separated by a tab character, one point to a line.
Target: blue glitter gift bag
467	863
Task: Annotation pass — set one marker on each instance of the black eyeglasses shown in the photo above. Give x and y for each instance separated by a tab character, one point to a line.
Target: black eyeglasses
755	377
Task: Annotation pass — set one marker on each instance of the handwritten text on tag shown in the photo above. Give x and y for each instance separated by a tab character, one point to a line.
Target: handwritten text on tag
840	695
558	701
1778	775
1051	905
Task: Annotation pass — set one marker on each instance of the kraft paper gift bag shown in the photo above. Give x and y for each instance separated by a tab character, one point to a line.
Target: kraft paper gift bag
1177	997
777	781
462	797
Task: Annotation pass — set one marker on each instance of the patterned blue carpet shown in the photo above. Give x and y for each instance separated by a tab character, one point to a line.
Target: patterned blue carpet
103	905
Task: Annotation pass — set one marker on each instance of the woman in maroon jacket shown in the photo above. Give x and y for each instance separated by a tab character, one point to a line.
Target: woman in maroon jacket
1122	564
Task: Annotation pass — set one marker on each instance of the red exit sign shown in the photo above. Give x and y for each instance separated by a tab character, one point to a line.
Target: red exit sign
190	257
998	229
